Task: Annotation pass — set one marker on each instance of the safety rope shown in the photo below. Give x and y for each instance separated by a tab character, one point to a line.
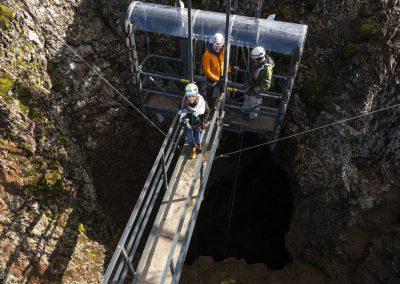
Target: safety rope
258	9
226	155
235	179
118	92
108	83
235	7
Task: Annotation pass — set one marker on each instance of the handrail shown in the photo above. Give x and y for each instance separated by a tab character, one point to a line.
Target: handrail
199	166
145	203
196	207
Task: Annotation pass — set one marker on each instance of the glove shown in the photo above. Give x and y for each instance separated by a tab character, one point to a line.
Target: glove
186	123
203	126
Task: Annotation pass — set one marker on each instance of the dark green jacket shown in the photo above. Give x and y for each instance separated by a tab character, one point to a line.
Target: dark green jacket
260	79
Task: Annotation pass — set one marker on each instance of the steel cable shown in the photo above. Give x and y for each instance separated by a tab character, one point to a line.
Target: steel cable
236	174
226	155
118	92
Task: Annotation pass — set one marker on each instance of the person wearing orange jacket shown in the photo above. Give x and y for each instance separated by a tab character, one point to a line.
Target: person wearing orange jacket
212	64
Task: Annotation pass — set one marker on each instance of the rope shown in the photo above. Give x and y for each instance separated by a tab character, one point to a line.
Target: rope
258	9
118	92
233	195
307	131
235	7
108	83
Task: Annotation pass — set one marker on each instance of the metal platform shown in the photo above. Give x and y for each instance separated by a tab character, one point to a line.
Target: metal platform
235	119
155	241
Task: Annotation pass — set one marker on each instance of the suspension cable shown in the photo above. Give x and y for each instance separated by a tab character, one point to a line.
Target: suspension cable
190	41
226	155
235	179
235	6
258	9
118	92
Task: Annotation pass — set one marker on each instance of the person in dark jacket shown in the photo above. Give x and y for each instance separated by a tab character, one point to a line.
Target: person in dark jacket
194	116
259	81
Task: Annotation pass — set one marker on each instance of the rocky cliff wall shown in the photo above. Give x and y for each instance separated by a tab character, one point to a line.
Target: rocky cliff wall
69	147
347	199
69	143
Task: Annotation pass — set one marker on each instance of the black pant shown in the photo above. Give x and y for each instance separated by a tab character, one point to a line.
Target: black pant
208	92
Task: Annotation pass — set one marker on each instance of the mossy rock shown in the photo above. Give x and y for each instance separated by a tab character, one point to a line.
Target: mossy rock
6	84
28	148
313	95
314	86
82	229
52	178
349	50
369	30
57	86
366	10
27	99
6	16
307	5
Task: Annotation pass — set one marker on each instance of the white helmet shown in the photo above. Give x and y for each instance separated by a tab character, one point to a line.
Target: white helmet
191	90
218	39
258	52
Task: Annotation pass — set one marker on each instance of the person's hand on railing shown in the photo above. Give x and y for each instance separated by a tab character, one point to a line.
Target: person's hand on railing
186	123
203	126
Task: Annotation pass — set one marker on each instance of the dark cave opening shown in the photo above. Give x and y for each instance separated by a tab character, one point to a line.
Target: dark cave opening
261	212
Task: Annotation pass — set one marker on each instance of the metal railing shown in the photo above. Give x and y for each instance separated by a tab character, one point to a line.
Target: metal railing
201	173
123	264
126	252
151	83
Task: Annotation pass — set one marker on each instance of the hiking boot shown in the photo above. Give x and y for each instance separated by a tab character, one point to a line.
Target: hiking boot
199	148
192	153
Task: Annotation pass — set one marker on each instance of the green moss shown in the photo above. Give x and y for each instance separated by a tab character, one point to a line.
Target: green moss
47	183
27	148
349	50
366	10
369	30
313	91
6	16
6	84
52	178
26	100
82	229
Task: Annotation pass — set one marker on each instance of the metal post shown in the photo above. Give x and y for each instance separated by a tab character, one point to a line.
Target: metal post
294	66
227	45
190	40
164	171
135	67
127	261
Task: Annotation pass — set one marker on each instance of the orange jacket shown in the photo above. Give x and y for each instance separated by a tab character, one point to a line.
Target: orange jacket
213	66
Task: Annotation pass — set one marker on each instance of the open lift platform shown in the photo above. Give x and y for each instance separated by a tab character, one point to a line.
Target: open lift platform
155	241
